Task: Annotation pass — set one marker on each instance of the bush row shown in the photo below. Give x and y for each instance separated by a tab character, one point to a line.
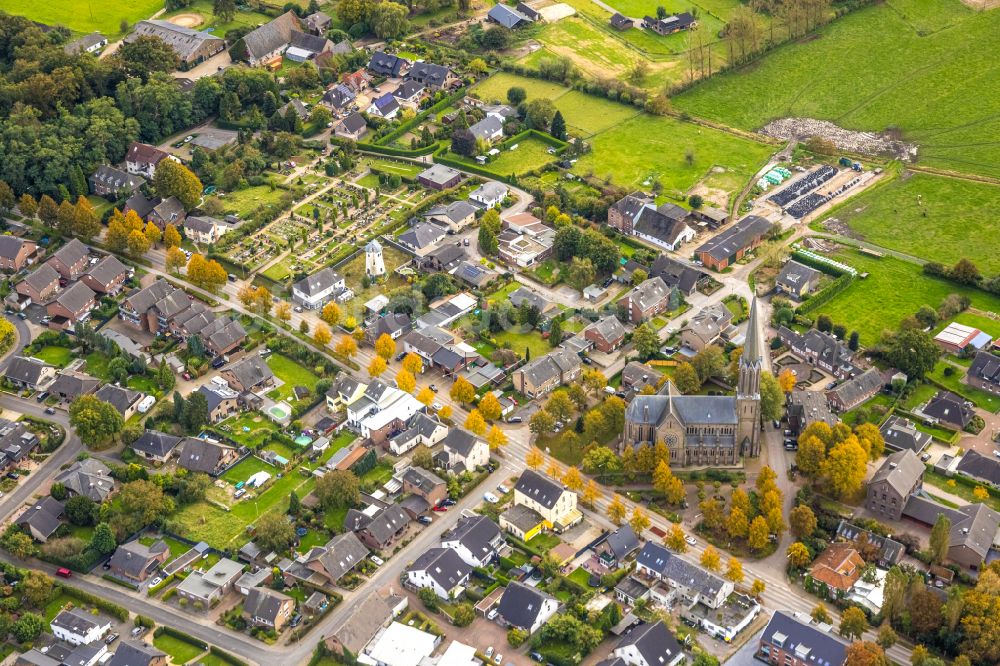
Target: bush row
111	609
180	635
419	118
825	295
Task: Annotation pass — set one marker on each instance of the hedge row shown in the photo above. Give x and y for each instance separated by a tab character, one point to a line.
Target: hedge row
821	266
393	151
180	635
103	604
419	118
118	581
153	589
225	656
824	296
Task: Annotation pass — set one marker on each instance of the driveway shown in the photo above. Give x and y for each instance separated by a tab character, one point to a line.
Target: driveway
213	65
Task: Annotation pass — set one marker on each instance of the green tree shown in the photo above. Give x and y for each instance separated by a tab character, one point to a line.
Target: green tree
146	55
646	341
558	126
853	623
28	627
580	273
96	422
176	180
103	540
516	95
81	510
709	362
539	113
940	539
772	400
464	615
195	415
914	352
388	20
272	531
37	588
339	488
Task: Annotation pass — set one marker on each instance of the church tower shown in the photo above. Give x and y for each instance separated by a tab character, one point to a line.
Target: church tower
374	265
754	360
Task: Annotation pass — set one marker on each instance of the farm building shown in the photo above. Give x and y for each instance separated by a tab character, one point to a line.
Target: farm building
730	246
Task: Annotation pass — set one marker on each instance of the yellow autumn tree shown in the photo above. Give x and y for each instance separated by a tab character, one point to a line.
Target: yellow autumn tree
572	479
171	237
490	407
535	458
639	522
385	346
175	257
617	510
734	570
474	422
413	363
426	396
331	313
675	539
591	493
283	310
347	346
496	438
710	559
152	233
322	335
376	367
462	390
445	412
786	380
406	381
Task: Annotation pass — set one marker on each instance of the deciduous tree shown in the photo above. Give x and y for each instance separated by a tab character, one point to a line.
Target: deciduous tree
385	346
346	346
496	438
616	510
407	382
758	536
802	521
475	423
675	539
96	422
639	522
710	559
462	391
173	179
322	335
535	458
853	623
734	570
798	555
490	407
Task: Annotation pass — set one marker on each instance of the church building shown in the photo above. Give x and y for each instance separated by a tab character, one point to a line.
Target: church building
702	430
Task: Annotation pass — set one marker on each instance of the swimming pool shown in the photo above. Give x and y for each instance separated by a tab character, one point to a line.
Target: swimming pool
303	440
279	412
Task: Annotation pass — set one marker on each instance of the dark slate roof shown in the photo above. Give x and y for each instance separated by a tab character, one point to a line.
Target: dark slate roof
116	179
654	642
900	433
135	654
649	293
386	523
386	104
77	297
460	441
88	477
608	328
522	517
264	603
184	41
805	641
156	443
84	43
72	252
889	549
521	604
978	466
311	43
204	224
986	367
10	246
623	542
272	35
251	371
75	620
169	210
341	554
119	398
950	408
43	516
443	565
856	388
474	274
338	96
409	89
507	16
421	235
142	205
528	11
385	64
42	277
318	281
198	455
423	479
72	384
108	269
539	488
672	567
25	369
619	21
475	533
429	74
133	558
900	470
689	409
796	276
736	237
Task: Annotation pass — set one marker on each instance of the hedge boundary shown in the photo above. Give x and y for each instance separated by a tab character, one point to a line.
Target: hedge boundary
441	155
179	635
405	127
114	610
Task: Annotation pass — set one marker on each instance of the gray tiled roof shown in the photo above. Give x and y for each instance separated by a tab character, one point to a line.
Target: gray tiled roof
856	388
108	269
421	235
251	371
804	640
986	367
77	297
116	179
735	238
271	36
539	488
25	369
520	604
476	533
423	479
443	565
42	516
649	293
72	384
119	398
341	554
133	558
671	567
264	603
75	620
198	455
89	477
456	211
318	281
460	441
156	443
653	642
901	470
184	41
135	654
978	466
899	434
429	74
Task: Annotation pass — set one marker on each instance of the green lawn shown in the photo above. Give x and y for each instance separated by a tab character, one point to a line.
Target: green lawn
960	489
176	547
403	169
931	217
337	443
240	18
581	577
931	71
250	429
56	604
278	271
893	290
545	541
86	16
243	202
292	374
248	468
954	383
180	651
57	356
532	340
531	153
496	87
97	365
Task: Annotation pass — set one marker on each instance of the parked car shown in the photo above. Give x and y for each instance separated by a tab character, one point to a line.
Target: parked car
296	620
187	376
156	581
50	410
498	658
489	651
400	356
376	559
492	614
502	489
63	572
537	656
515	419
433	388
439	508
218	362
138	631
491	498
437	406
239	493
690	539
110	639
425	520
42	396
447	501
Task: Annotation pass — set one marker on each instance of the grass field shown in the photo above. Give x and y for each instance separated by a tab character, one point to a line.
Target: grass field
403	169
893	290
931	217
532	340
57	356
954	383
258	429
85	16
531	153
633	149
243	202
204	8
180	651
278	271
934	75
292	374
247	468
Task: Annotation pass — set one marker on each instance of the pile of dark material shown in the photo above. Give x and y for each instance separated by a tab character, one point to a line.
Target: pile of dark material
803	186
813	200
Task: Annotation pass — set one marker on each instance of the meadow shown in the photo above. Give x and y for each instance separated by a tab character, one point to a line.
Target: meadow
893	290
934	75
531	153
85	16
931	217
633	149
292	374
204	8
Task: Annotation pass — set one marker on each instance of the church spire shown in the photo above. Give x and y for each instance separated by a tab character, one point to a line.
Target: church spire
753	350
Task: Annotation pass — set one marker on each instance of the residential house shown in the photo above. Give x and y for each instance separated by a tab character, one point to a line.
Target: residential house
91	43
421	238
352	127
155	446
541	375
28	372
979	467
637	376
107	276
129	653
304	46
358	80
838	567
729	246
900	433
607	334
112	183
124	400
380	408
856	390
444	259
223	402
314	291
462	451
796	280
341	555
454	216
388	65
205	587
78	627
39	285
441	570
522	521
975	529
16	441
490	128
142	158
670	24
883	550
950	409
619	22
900	476
647	300
649	644
630	590
338	97
819	349
167	211
439	177
203	229
317	23
71	305
385	106
381	530
555	504
431	75
682	580
524	240
476	539
508	17
357	629
490	194
638	215
161	308
546	308
409	93
804	407
617	547
71	260
199	455
41	519
134	562
706	327
88	477
344	390
250	373
421	429
984	373
790	641
70	385
266	44
474	275
16	253
526	608
267	608
191	46
426	484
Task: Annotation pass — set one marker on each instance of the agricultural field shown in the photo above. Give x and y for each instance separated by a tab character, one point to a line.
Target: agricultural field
86	16
935	77
893	290
634	149
931	217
